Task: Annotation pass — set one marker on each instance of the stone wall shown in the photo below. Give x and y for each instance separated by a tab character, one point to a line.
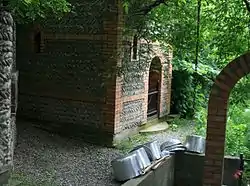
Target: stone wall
134	83
68	84
7	56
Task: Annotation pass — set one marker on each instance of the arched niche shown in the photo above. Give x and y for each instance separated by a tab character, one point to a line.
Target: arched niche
217	117
154	88
152	54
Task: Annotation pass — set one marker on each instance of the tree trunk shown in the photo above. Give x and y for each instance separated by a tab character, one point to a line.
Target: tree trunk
6	61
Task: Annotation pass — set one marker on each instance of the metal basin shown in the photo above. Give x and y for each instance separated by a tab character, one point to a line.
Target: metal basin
126	167
143	158
152	149
195	144
173	148
170	143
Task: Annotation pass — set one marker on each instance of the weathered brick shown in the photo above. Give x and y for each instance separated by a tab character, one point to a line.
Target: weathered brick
216	118
231	73
67	82
243	65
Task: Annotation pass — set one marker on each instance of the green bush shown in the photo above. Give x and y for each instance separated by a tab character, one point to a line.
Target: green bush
186	85
237	129
201	120
236	140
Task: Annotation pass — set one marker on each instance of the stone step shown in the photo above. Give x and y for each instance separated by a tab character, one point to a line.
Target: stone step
173	116
170	120
159	127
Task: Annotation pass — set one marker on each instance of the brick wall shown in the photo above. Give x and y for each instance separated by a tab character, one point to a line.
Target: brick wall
135	78
217	117
71	84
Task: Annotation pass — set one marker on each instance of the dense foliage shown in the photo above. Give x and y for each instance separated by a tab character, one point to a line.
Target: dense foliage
37	10
224	35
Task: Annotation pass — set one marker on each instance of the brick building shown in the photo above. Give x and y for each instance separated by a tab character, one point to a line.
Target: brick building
79	75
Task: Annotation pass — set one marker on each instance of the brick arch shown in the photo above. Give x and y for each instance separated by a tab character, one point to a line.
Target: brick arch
217	116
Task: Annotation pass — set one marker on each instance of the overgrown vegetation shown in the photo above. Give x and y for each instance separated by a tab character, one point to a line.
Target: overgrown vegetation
224	35
20	179
26	11
179	127
128	144
237	130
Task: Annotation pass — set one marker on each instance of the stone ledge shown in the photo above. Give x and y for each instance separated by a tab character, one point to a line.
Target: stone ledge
175	171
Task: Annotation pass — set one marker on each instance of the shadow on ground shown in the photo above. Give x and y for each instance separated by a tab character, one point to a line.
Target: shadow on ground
43	158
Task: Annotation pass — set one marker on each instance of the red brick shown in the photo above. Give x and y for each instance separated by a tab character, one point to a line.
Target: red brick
216	118
230	72
247	60
243	65
218	103
222	85
211	137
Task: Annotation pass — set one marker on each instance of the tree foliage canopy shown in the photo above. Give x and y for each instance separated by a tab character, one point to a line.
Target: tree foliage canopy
37	10
224	35
224	29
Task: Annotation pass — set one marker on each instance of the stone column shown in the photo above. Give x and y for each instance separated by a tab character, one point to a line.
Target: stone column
6	62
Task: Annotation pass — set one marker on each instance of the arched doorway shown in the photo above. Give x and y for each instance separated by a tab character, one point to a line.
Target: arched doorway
154	88
217	117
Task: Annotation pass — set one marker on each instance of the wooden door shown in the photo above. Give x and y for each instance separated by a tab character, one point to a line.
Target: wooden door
153	93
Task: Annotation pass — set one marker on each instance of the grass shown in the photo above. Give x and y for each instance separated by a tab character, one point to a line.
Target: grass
128	144
21	179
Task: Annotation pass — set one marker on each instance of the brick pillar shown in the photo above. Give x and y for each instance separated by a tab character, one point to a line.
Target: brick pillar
217	116
111	52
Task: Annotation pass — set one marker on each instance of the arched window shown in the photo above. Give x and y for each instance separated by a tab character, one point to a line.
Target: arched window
135	47
37	42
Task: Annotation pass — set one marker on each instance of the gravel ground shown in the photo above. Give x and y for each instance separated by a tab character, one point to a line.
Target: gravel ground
48	159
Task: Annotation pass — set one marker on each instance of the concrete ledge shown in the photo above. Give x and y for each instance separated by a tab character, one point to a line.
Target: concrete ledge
184	169
189	169
163	175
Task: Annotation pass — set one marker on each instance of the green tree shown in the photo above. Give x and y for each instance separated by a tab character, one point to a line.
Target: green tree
224	35
37	10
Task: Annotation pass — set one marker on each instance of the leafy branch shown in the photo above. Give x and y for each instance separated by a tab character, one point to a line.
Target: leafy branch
146	9
247	5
